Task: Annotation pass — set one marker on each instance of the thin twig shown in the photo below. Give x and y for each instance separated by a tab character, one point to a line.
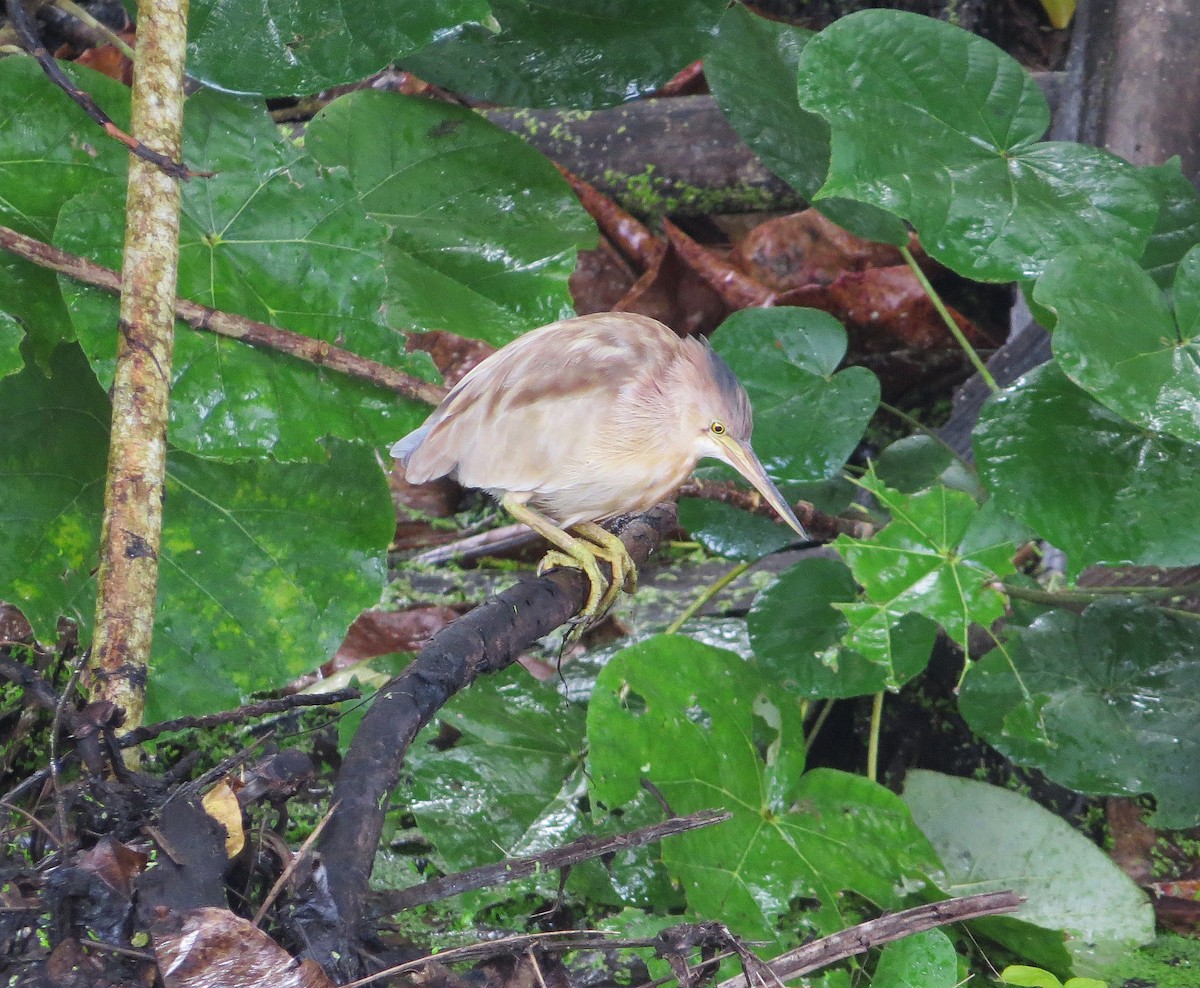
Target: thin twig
707	594
578	851
292	865
228	324
27	33
894	926
250	711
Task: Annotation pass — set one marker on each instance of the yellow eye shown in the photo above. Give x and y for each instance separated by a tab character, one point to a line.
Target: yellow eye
717	428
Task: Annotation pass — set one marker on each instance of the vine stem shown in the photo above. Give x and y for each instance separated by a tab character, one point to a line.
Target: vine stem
873	740
948	319
707	594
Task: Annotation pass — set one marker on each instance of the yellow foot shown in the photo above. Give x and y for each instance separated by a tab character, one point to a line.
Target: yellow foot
595	543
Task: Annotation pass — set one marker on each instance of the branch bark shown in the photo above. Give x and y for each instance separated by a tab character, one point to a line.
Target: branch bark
130	538
486	640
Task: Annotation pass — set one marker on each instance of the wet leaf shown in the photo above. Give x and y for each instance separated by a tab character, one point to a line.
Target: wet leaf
942	128
275	238
51	153
295	48
254	562
731	532
1117	338
918	563
708	729
11	335
1093	484
920	960
484	230
1106	702
991	839
1178	227
808	416
569	52
796	631
752	71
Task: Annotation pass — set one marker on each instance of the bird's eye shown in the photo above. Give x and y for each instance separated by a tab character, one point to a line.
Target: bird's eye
717	428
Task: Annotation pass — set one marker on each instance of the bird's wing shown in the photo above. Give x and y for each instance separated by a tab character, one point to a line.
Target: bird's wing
519	418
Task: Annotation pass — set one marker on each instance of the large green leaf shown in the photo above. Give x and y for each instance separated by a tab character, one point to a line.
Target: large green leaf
52	152
263	565
752	71
484	230
920	960
294	47
990	839
579	53
275	238
516	772
796	631
1116	337
918	563
942	128
1092	483
11	335
1105	702
808	416
1178	227
708	730
52	464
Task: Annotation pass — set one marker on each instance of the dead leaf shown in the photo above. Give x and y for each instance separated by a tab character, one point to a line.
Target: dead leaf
214	948
222	805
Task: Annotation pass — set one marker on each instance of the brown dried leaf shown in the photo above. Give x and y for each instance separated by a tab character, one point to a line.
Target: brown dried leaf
600	280
214	948
453	355
386	632
883	309
806	249
115	863
733	287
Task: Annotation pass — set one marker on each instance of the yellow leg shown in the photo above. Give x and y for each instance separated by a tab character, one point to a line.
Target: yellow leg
572	552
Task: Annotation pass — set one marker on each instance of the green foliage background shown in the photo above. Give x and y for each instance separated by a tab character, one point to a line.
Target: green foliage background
395	214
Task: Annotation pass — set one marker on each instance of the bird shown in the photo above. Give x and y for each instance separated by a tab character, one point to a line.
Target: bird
585	419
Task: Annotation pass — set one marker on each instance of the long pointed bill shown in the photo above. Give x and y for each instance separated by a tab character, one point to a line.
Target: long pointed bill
741	457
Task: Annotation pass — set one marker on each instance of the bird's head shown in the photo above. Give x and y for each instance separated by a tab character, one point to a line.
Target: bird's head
724	424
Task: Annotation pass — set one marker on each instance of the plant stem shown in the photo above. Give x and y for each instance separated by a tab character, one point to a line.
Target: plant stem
1069	598
948	319
707	594
873	740
132	532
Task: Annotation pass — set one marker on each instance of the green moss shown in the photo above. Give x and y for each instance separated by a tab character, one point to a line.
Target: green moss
1169	962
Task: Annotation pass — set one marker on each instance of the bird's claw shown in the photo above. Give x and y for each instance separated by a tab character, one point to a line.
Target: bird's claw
595	543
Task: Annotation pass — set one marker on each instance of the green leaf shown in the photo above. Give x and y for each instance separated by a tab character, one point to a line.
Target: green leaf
991	839
294	48
259	575
11	335
520	757
52	464
708	730
731	532
917	563
751	69
1093	484
1116	337
920	960
271	237
569	52
919	461
1178	227
1105	702
52	151
484	230
796	628
942	128
1029	977
807	418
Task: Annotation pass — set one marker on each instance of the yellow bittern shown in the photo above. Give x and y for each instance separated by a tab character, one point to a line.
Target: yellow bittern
583	420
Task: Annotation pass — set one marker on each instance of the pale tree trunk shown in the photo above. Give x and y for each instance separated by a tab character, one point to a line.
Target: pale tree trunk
128	575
